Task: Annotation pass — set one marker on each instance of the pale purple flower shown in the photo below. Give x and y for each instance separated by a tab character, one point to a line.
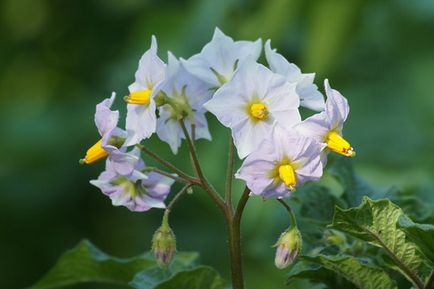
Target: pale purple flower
112	139
141	116
185	95
326	127
252	102
281	163
137	191
220	58
308	92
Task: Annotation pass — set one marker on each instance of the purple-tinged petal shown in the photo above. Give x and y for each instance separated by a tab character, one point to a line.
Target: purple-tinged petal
106	119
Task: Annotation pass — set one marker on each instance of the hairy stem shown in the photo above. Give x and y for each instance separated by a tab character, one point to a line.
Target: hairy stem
178	196
166	163
169	175
234	230
290	212
196	166
229	173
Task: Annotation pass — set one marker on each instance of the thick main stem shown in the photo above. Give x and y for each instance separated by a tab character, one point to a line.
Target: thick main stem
234	235
233	218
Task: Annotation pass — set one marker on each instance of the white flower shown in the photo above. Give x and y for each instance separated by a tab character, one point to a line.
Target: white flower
250	104
281	163
112	142
219	59
141	118
310	97
137	191
326	127
184	95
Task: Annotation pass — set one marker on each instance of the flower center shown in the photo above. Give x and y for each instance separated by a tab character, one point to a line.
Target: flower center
259	111
96	152
337	143
139	97
287	176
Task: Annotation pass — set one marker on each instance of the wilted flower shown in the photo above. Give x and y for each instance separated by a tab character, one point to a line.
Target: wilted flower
141	118
326	127
220	58
164	243
112	142
137	191
252	102
183	98
282	163
308	92
288	248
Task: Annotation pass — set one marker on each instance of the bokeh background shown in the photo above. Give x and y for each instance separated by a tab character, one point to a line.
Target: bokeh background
59	58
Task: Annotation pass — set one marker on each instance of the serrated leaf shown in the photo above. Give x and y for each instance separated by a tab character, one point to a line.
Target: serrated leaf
86	263
363	276
376	222
355	188
317	274
421	234
197	278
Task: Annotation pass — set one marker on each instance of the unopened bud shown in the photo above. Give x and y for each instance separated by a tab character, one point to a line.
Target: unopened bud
288	248
164	243
160	98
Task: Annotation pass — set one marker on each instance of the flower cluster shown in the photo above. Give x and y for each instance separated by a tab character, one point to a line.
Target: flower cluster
260	104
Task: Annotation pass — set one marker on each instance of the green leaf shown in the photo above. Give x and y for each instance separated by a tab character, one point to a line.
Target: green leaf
376	222
197	278
421	234
317	274
363	276
355	188
86	263
317	203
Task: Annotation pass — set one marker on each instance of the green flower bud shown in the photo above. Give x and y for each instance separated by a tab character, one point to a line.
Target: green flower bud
164	243
288	248
160	99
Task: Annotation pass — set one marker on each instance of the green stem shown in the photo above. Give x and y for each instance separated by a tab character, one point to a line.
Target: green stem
430	282
196	166
229	173
234	231
291	213
169	175
178	196
166	163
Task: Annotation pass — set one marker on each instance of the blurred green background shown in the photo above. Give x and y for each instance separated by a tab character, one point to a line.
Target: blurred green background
59	58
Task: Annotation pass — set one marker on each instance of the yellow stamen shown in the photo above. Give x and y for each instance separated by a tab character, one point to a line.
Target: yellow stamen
96	152
337	143
258	110
287	175
139	97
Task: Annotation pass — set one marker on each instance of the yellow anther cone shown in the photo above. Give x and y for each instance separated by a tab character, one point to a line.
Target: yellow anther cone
287	175
94	153
258	111
337	143
139	97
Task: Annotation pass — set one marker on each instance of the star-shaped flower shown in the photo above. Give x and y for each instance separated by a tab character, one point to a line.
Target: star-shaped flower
137	191
280	164
112	142
326	127
252	102
184	96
